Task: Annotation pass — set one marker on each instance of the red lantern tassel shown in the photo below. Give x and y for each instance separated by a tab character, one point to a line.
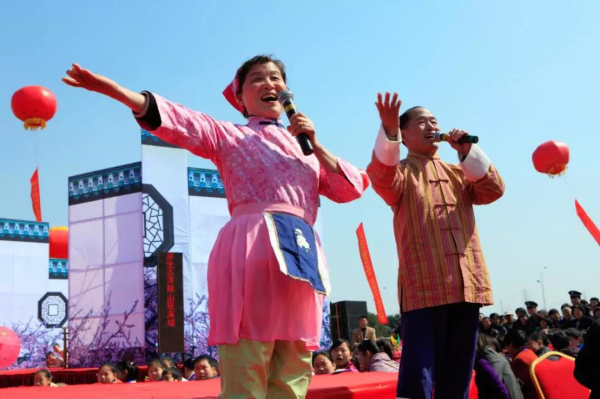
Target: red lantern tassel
35	195
365	256
587	222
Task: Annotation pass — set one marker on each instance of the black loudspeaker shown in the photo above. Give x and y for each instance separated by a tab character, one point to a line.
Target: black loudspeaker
344	318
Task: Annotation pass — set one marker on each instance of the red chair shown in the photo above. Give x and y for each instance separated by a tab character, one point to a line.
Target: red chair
473	393
555	380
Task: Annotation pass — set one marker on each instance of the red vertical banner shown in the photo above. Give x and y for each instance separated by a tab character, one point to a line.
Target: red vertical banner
35	195
587	222
365	257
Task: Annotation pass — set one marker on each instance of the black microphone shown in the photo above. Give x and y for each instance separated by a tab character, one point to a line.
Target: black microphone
286	98
464	139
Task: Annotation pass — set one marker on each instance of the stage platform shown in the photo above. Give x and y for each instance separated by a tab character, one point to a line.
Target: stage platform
338	386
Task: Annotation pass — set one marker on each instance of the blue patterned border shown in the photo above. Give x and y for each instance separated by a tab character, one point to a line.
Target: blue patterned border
58	269
106	183
150	139
205	183
23	230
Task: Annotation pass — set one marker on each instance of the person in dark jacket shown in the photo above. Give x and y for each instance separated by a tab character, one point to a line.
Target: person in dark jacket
522	358
497	325
554	320
538	342
561	343
493	375
580	320
587	364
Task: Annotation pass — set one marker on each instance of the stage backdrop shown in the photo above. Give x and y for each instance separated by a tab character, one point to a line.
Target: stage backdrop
106	279
33	290
120	219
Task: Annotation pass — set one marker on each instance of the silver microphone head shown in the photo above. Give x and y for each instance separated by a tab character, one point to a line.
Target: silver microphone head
285	95
437	136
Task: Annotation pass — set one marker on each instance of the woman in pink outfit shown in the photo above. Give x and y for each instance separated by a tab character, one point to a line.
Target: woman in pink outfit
267	276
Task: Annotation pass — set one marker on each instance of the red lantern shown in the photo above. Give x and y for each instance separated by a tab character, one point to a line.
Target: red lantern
551	158
10	347
34	105
59	242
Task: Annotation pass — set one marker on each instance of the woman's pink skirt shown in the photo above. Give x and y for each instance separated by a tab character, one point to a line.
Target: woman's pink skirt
248	296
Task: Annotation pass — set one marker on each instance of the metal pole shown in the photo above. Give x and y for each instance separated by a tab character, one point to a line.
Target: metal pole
65	350
543	290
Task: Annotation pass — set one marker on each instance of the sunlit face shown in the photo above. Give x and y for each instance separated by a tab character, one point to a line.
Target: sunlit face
341	356
260	89
40	380
106	375
155	372
417	134
534	345
204	371
363	322
577	313
566	313
322	365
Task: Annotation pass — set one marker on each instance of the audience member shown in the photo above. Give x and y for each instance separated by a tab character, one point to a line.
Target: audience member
342	355
188	369
371	358
560	343
508	324
580	320
172	374
205	368
127	371
168	363
53	361
155	370
497	324
107	374
43	378
538	343
363	331
493	375
567	317
486	327
522	358
554	320
322	363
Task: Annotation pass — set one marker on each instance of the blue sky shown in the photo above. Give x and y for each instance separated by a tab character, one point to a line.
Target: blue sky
514	73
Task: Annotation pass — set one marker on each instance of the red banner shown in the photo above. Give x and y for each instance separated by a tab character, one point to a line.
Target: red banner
35	195
587	222
365	256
